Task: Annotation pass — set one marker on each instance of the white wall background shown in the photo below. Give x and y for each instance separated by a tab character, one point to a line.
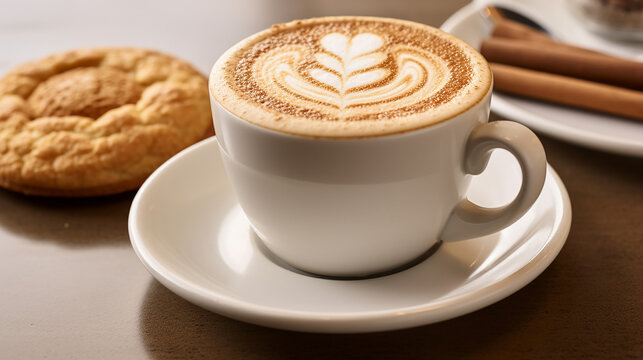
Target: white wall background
196	30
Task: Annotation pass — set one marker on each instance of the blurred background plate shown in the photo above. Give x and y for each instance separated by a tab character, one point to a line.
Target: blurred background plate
598	131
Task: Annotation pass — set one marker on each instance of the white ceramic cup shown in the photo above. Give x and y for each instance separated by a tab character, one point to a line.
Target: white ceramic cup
356	207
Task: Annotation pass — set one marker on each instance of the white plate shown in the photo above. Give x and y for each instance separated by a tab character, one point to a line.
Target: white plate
188	230
599	131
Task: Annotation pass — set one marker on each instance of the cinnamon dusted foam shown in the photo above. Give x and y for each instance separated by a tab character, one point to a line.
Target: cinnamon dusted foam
349	77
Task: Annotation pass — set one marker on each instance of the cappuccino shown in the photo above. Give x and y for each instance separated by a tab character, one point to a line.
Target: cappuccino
302	112
338	77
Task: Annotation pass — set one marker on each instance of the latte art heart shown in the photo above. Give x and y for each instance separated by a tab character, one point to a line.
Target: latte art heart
347	62
348	75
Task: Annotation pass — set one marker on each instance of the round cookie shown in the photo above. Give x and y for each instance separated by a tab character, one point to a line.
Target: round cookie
97	121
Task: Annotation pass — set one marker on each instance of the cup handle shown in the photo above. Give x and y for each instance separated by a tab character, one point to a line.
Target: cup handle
469	220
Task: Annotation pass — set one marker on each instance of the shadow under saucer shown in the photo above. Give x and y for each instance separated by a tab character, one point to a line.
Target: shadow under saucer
173	328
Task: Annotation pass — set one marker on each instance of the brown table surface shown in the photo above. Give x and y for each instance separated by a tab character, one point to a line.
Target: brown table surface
71	286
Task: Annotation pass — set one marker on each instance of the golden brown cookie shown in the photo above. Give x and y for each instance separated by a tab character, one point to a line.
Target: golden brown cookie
97	121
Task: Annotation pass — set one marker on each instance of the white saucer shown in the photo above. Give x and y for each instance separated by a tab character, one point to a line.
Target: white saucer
188	230
591	129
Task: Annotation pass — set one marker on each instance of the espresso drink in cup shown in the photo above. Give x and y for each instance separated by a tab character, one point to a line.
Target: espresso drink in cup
350	77
349	141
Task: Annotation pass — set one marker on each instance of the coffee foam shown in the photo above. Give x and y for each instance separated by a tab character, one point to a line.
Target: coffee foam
349	77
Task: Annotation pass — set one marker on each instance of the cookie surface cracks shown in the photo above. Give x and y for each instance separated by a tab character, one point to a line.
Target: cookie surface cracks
97	121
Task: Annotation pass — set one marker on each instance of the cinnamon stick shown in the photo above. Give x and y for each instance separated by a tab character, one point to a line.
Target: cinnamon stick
514	30
542	56
568	91
509	29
